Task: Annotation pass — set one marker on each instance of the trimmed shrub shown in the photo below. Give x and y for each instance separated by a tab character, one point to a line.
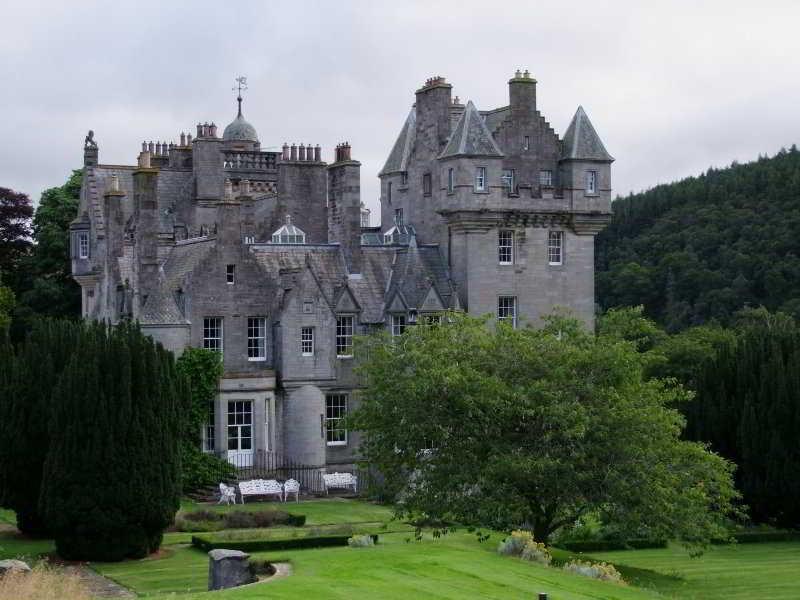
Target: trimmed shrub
209	520
602	571
203	515
239	519
206	545
111	481
360	541
609	545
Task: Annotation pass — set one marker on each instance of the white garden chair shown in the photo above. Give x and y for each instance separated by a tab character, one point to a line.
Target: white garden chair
291	486
226	494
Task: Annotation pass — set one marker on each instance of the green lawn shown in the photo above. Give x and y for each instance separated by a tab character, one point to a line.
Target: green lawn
762	570
456	566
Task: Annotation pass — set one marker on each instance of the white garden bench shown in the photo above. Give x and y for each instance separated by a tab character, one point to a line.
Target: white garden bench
340	480
260	487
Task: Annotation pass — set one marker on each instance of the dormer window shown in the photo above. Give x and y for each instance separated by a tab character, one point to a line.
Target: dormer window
289	234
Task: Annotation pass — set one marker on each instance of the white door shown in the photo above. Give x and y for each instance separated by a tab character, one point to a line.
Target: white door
240	433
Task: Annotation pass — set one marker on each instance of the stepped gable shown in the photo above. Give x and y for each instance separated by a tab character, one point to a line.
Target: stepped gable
162	306
415	271
398	157
471	137
581	141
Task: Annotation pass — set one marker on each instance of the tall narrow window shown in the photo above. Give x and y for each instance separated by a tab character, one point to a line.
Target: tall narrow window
426	184
404	178
389	191
230	274
83	245
256	338
335	412
510	180
480	179
591	182
555	247
209	429
212	333
398	216
546	178
507	310
526	142
344	336
505	247
450	182
307	341
398	325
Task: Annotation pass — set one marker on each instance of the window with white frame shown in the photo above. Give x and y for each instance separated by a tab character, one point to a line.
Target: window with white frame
256	338
212	333
209	429
307	341
249	239
450	181
555	247
344	336
230	274
335	413
480	179
546	178
507	309
398	325
505	247
83	244
509	178
591	182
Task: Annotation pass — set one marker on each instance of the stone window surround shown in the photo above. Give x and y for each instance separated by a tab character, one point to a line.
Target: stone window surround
480	180
507	309
345	326
256	331
555	247
307	341
213	333
591	182
83	244
505	247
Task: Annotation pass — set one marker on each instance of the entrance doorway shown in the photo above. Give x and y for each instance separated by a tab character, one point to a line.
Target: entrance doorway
240	433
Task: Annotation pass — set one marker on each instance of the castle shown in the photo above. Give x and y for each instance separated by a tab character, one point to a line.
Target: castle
269	257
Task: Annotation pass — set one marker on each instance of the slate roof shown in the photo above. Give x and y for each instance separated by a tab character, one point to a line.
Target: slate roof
415	270
161	307
494	118
398	157
471	137
581	141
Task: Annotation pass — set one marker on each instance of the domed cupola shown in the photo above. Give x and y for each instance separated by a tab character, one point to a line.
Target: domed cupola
239	134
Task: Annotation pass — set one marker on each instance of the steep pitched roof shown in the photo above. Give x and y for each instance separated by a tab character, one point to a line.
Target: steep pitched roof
415	271
581	141
471	137
398	157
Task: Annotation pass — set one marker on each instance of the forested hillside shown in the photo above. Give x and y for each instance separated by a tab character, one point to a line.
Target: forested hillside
702	248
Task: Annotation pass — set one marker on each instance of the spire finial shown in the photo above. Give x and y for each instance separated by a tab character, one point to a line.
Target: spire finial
288	219
241	85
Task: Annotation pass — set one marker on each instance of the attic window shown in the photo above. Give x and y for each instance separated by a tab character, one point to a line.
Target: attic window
289	234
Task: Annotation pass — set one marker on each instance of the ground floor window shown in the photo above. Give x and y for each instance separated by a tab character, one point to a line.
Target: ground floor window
507	310
335	412
209	429
240	425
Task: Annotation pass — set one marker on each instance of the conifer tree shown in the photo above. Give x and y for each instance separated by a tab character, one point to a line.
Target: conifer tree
112	476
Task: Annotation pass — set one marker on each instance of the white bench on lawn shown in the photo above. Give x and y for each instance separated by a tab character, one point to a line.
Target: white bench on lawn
340	480
260	487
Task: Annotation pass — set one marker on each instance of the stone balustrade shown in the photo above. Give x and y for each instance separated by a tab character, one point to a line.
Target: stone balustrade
249	161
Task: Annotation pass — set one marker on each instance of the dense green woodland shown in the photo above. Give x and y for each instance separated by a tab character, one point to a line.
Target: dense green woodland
704	247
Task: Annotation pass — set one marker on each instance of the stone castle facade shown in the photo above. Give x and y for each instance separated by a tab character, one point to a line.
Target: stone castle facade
269	257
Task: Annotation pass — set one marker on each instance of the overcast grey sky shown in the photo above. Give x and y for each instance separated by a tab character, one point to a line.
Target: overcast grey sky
671	87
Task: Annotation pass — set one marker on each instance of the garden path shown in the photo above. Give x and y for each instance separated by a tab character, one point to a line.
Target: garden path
98	586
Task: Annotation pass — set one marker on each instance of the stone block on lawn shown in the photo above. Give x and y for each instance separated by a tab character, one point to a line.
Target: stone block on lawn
228	568
13	565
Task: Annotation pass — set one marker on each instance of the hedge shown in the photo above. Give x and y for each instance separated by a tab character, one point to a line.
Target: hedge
264	545
609	545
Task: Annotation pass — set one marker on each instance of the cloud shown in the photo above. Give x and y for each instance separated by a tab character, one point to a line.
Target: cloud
671	87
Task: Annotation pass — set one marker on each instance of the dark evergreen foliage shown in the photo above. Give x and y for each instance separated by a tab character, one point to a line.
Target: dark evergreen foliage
702	248
28	379
111	480
15	230
748	408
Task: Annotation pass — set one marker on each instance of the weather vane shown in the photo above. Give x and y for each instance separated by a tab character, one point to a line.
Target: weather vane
241	85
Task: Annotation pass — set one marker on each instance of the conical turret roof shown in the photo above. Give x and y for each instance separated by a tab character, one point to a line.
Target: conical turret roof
471	137
581	141
398	157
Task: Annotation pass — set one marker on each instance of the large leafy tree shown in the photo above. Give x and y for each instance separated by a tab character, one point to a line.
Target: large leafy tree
534	427
45	286
15	231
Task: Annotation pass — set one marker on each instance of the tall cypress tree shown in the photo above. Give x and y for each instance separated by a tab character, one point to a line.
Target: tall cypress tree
111	478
